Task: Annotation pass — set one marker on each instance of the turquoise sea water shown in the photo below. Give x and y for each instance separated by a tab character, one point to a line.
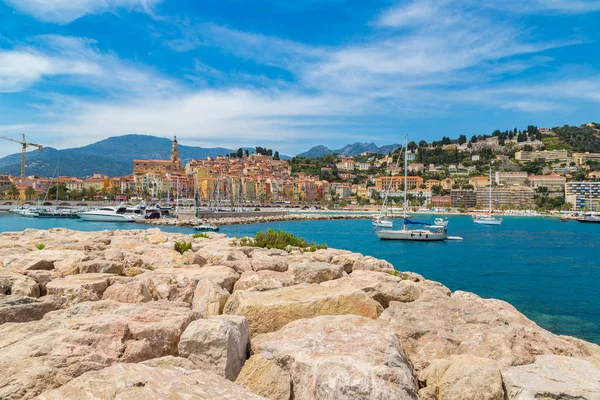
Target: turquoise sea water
549	270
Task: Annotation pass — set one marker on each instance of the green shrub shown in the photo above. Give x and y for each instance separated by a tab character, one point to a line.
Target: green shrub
395	273
40	246
257	209
200	235
278	239
182	247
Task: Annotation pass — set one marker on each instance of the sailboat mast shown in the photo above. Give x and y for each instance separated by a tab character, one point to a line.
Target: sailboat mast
57	180
405	174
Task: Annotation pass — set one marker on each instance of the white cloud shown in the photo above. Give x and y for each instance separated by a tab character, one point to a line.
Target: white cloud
558	7
65	11
20	69
75	60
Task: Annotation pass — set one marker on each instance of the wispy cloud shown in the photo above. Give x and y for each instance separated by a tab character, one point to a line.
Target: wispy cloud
65	11
558	7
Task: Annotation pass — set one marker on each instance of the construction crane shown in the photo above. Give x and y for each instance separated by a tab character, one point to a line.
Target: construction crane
24	146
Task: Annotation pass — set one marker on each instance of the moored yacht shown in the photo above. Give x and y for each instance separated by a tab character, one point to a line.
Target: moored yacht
590	218
382	221
107	214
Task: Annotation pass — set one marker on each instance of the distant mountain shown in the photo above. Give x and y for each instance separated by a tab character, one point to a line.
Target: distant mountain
349	150
113	156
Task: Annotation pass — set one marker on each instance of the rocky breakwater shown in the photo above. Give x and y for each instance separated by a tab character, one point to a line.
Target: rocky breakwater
121	314
254	219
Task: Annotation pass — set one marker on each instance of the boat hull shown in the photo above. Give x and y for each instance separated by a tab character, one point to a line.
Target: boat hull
589	221
412	235
105	218
488	221
386	224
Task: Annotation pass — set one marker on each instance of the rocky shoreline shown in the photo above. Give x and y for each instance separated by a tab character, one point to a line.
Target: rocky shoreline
253	219
121	314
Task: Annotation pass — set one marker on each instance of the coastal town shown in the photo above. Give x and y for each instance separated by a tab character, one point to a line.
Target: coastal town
450	174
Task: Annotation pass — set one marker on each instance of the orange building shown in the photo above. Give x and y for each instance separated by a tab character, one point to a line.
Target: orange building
394	183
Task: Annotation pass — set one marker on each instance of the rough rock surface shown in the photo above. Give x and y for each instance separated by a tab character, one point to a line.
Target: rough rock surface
554	377
270	310
209	299
439	327
265	378
25	309
78	288
263	280
324	361
463	377
137	381
317	340
42	355
218	344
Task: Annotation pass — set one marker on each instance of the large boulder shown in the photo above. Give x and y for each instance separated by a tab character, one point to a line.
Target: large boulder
12	283
265	378
386	292
79	288
271	260
209	299
340	357
440	326
137	381
134	291
270	310
64	261
43	355
463	377
218	344
554	377
25	309
372	264
263	280
232	258
315	272
101	266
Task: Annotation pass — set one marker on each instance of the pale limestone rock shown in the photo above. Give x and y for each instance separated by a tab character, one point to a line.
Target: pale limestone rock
265	378
42	278
179	284
373	277
142	382
101	266
209	299
25	309
271	260
340	357
193	258
15	284
170	362
226	256
263	280
439	326
315	272
270	310
346	260
218	344
554	377
386	292
79	288
42	355
372	264
136	291
462	377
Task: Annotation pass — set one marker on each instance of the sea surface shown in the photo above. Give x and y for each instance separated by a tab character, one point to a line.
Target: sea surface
549	270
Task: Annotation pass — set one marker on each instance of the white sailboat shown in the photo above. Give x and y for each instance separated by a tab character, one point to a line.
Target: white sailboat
488	219
205	226
412	230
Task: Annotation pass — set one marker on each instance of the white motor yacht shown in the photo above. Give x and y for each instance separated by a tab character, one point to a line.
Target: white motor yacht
206	227
486	220
107	214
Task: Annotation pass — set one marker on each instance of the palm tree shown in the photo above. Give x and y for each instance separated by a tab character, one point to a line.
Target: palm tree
29	192
13	192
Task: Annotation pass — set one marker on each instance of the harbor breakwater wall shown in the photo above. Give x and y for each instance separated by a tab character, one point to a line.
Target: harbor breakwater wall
122	314
254	218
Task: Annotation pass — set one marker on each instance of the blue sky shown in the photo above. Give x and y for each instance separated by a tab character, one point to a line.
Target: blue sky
293	74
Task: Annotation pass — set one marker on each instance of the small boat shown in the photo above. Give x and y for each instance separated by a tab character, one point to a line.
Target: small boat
590	218
107	214
59	213
486	220
29	212
206	228
382	221
441	222
454	238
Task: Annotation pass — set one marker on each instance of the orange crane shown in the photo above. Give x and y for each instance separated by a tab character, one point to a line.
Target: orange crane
24	144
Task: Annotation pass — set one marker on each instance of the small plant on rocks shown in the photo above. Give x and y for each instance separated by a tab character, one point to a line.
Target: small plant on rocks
200	235
40	246
182	247
278	239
